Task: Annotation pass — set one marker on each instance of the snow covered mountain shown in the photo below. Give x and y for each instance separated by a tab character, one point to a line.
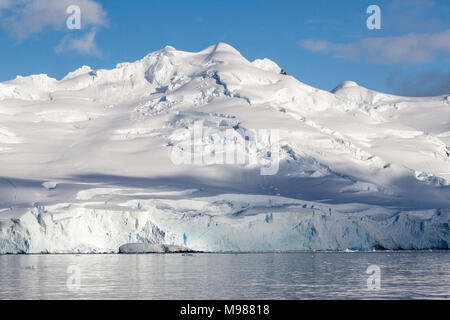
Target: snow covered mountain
91	162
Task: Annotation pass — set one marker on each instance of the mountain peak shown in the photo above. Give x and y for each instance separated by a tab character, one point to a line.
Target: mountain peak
222	47
220	51
266	65
169	48
345	84
82	70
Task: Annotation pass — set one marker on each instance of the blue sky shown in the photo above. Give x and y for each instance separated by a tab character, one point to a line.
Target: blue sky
320	42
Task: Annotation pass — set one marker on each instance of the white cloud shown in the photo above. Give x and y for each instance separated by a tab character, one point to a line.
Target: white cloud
85	45
5	4
408	48
22	18
315	45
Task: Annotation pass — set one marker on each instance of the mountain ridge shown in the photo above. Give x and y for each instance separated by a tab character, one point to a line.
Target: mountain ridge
153	137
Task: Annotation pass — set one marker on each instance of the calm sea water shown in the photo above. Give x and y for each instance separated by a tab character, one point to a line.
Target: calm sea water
403	275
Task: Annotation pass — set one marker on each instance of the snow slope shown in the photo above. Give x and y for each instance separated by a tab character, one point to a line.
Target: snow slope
86	162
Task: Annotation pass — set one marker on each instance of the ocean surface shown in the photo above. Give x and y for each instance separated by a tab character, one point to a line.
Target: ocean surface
320	275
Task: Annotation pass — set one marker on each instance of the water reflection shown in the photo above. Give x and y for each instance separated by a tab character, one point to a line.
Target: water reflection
404	275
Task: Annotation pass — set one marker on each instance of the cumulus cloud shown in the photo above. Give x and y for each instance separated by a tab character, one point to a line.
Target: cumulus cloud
408	48
85	45
24	18
430	83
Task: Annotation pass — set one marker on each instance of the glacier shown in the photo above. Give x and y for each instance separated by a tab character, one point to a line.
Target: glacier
227	223
86	167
